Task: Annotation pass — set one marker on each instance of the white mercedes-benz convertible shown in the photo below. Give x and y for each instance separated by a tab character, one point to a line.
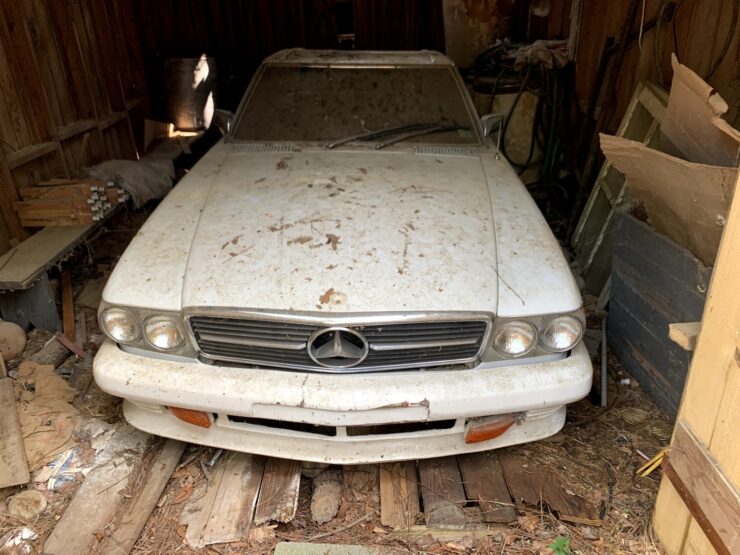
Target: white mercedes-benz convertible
352	275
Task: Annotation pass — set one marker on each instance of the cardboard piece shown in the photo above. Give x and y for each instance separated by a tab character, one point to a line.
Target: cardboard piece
685	201
693	121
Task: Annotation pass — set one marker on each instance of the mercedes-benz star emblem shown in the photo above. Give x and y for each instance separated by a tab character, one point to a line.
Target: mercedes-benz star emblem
337	348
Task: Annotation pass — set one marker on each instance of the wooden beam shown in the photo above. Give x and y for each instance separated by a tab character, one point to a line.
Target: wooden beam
685	334
28	154
76	128
13	465
233	509
711	498
96	503
9	194
484	482
441	489
111	119
68	309
278	498
137	513
399	494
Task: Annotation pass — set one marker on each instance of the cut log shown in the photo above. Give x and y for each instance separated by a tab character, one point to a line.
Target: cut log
327	495
12	340
442	491
399	494
278	499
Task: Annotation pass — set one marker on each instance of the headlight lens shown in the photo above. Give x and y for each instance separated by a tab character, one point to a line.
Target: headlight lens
120	325
514	339
164	333
561	333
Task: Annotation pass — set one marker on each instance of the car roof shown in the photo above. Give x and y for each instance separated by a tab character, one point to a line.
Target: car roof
302	56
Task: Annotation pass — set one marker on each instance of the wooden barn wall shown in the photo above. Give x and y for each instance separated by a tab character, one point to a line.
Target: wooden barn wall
71	86
700	30
240	34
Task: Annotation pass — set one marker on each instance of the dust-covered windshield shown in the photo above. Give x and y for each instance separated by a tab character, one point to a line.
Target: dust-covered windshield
299	103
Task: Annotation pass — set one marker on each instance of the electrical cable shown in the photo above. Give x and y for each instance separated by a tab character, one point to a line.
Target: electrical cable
728	40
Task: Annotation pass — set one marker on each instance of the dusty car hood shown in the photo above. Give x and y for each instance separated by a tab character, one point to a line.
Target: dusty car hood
344	231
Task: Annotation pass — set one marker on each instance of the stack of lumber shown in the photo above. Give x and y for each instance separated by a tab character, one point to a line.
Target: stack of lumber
66	202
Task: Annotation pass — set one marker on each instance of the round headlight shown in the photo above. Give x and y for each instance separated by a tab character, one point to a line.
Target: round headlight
514	339
120	325
561	333
164	333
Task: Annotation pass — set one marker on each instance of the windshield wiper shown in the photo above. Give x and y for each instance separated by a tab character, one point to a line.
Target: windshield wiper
418	133
413	127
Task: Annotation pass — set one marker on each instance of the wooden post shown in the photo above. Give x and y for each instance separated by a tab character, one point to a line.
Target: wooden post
710	406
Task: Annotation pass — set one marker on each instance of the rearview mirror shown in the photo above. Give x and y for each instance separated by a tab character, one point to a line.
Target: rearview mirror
491	122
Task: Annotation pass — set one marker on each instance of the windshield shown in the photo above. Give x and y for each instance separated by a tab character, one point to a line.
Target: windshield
298	103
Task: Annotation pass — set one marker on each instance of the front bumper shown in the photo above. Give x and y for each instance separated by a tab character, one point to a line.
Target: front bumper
342	402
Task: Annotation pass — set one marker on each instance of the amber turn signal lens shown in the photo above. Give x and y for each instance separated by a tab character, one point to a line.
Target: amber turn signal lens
195	417
489	429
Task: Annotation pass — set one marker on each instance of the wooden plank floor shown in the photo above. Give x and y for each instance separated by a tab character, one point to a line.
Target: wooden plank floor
474	492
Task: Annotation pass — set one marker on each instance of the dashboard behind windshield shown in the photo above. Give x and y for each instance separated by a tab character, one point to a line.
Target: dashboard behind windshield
303	103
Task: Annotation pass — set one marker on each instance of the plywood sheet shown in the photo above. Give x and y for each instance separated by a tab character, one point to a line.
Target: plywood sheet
21	266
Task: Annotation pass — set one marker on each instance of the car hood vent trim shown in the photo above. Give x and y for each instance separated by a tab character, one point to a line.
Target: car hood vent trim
447	151
261	147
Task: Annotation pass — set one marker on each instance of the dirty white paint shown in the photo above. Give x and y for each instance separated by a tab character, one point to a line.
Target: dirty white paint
534	277
151	270
326	399
343	231
354	230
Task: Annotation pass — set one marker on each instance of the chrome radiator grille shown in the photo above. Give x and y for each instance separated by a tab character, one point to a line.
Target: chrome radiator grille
286	343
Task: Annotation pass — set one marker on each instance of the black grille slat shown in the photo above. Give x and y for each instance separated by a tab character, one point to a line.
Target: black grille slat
215	337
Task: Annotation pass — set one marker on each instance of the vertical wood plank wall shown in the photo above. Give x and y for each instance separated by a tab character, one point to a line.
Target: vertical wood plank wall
71	81
701	27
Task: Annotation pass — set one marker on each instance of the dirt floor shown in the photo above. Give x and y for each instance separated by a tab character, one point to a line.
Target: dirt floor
596	454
